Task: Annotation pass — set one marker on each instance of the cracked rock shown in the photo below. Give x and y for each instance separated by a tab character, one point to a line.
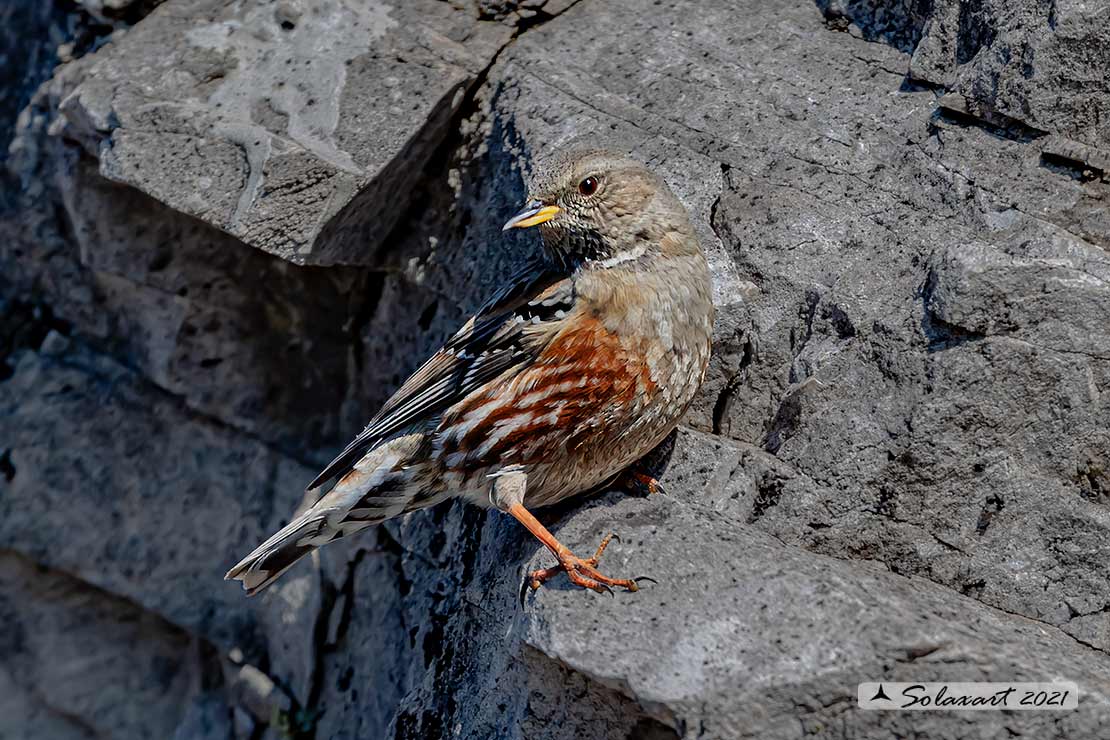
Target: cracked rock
235	115
151	504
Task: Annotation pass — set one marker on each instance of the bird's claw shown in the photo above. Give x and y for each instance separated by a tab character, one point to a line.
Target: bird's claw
644	484
593	561
524	591
580	572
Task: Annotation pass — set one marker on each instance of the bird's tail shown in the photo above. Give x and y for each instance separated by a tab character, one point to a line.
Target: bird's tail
276	555
386	483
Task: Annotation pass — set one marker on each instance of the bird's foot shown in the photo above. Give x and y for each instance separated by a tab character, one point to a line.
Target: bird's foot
583	572
641	483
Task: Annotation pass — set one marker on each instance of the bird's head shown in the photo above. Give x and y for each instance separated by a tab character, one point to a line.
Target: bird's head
596	207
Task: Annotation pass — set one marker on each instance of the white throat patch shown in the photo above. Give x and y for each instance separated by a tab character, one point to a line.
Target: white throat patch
626	256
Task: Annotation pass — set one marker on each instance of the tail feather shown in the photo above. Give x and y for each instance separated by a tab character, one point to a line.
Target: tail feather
383	485
278	554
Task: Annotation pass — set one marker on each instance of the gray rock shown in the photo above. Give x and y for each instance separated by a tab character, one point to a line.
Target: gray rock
27	716
739	605
88	664
891	403
182	302
233	115
1027	66
1041	64
208	717
677	658
113	482
199	316
28	39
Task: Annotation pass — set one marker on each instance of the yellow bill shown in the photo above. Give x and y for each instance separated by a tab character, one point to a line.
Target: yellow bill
533	215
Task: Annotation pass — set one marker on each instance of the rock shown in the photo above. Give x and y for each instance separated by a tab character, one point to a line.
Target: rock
199	316
372	643
676	658
131	276
848	368
1035	63
1029	66
207	718
26	57
113	482
25	715
740	604
258	693
87	663
897	22
232	114
977	292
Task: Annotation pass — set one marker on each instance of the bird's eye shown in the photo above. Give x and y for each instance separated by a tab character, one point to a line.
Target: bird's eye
588	186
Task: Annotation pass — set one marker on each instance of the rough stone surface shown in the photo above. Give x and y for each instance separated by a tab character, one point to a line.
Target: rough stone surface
896	470
234	114
83	663
1041	64
151	504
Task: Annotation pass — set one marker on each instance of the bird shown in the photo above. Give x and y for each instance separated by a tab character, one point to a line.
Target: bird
580	365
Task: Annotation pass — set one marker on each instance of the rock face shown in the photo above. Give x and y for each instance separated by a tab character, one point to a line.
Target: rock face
227	232
234	114
1039	64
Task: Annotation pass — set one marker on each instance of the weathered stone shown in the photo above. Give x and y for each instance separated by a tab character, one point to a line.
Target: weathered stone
114	482
28	40
88	664
1038	65
677	658
372	642
199	315
234	115
739	605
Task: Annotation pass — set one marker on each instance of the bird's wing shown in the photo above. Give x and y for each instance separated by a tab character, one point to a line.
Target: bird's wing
511	329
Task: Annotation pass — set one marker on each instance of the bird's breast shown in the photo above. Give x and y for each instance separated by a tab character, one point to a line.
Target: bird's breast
583	385
609	385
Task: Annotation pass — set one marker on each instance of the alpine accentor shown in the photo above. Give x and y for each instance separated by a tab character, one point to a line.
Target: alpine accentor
581	365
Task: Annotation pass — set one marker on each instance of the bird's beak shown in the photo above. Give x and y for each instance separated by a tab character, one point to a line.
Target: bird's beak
534	214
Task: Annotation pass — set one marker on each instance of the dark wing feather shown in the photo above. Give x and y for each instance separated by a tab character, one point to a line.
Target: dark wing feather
495	340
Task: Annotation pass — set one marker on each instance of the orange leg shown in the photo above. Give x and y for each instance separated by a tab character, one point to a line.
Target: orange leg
580	572
640	481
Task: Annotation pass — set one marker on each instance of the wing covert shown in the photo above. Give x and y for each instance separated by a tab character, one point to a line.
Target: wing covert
506	333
